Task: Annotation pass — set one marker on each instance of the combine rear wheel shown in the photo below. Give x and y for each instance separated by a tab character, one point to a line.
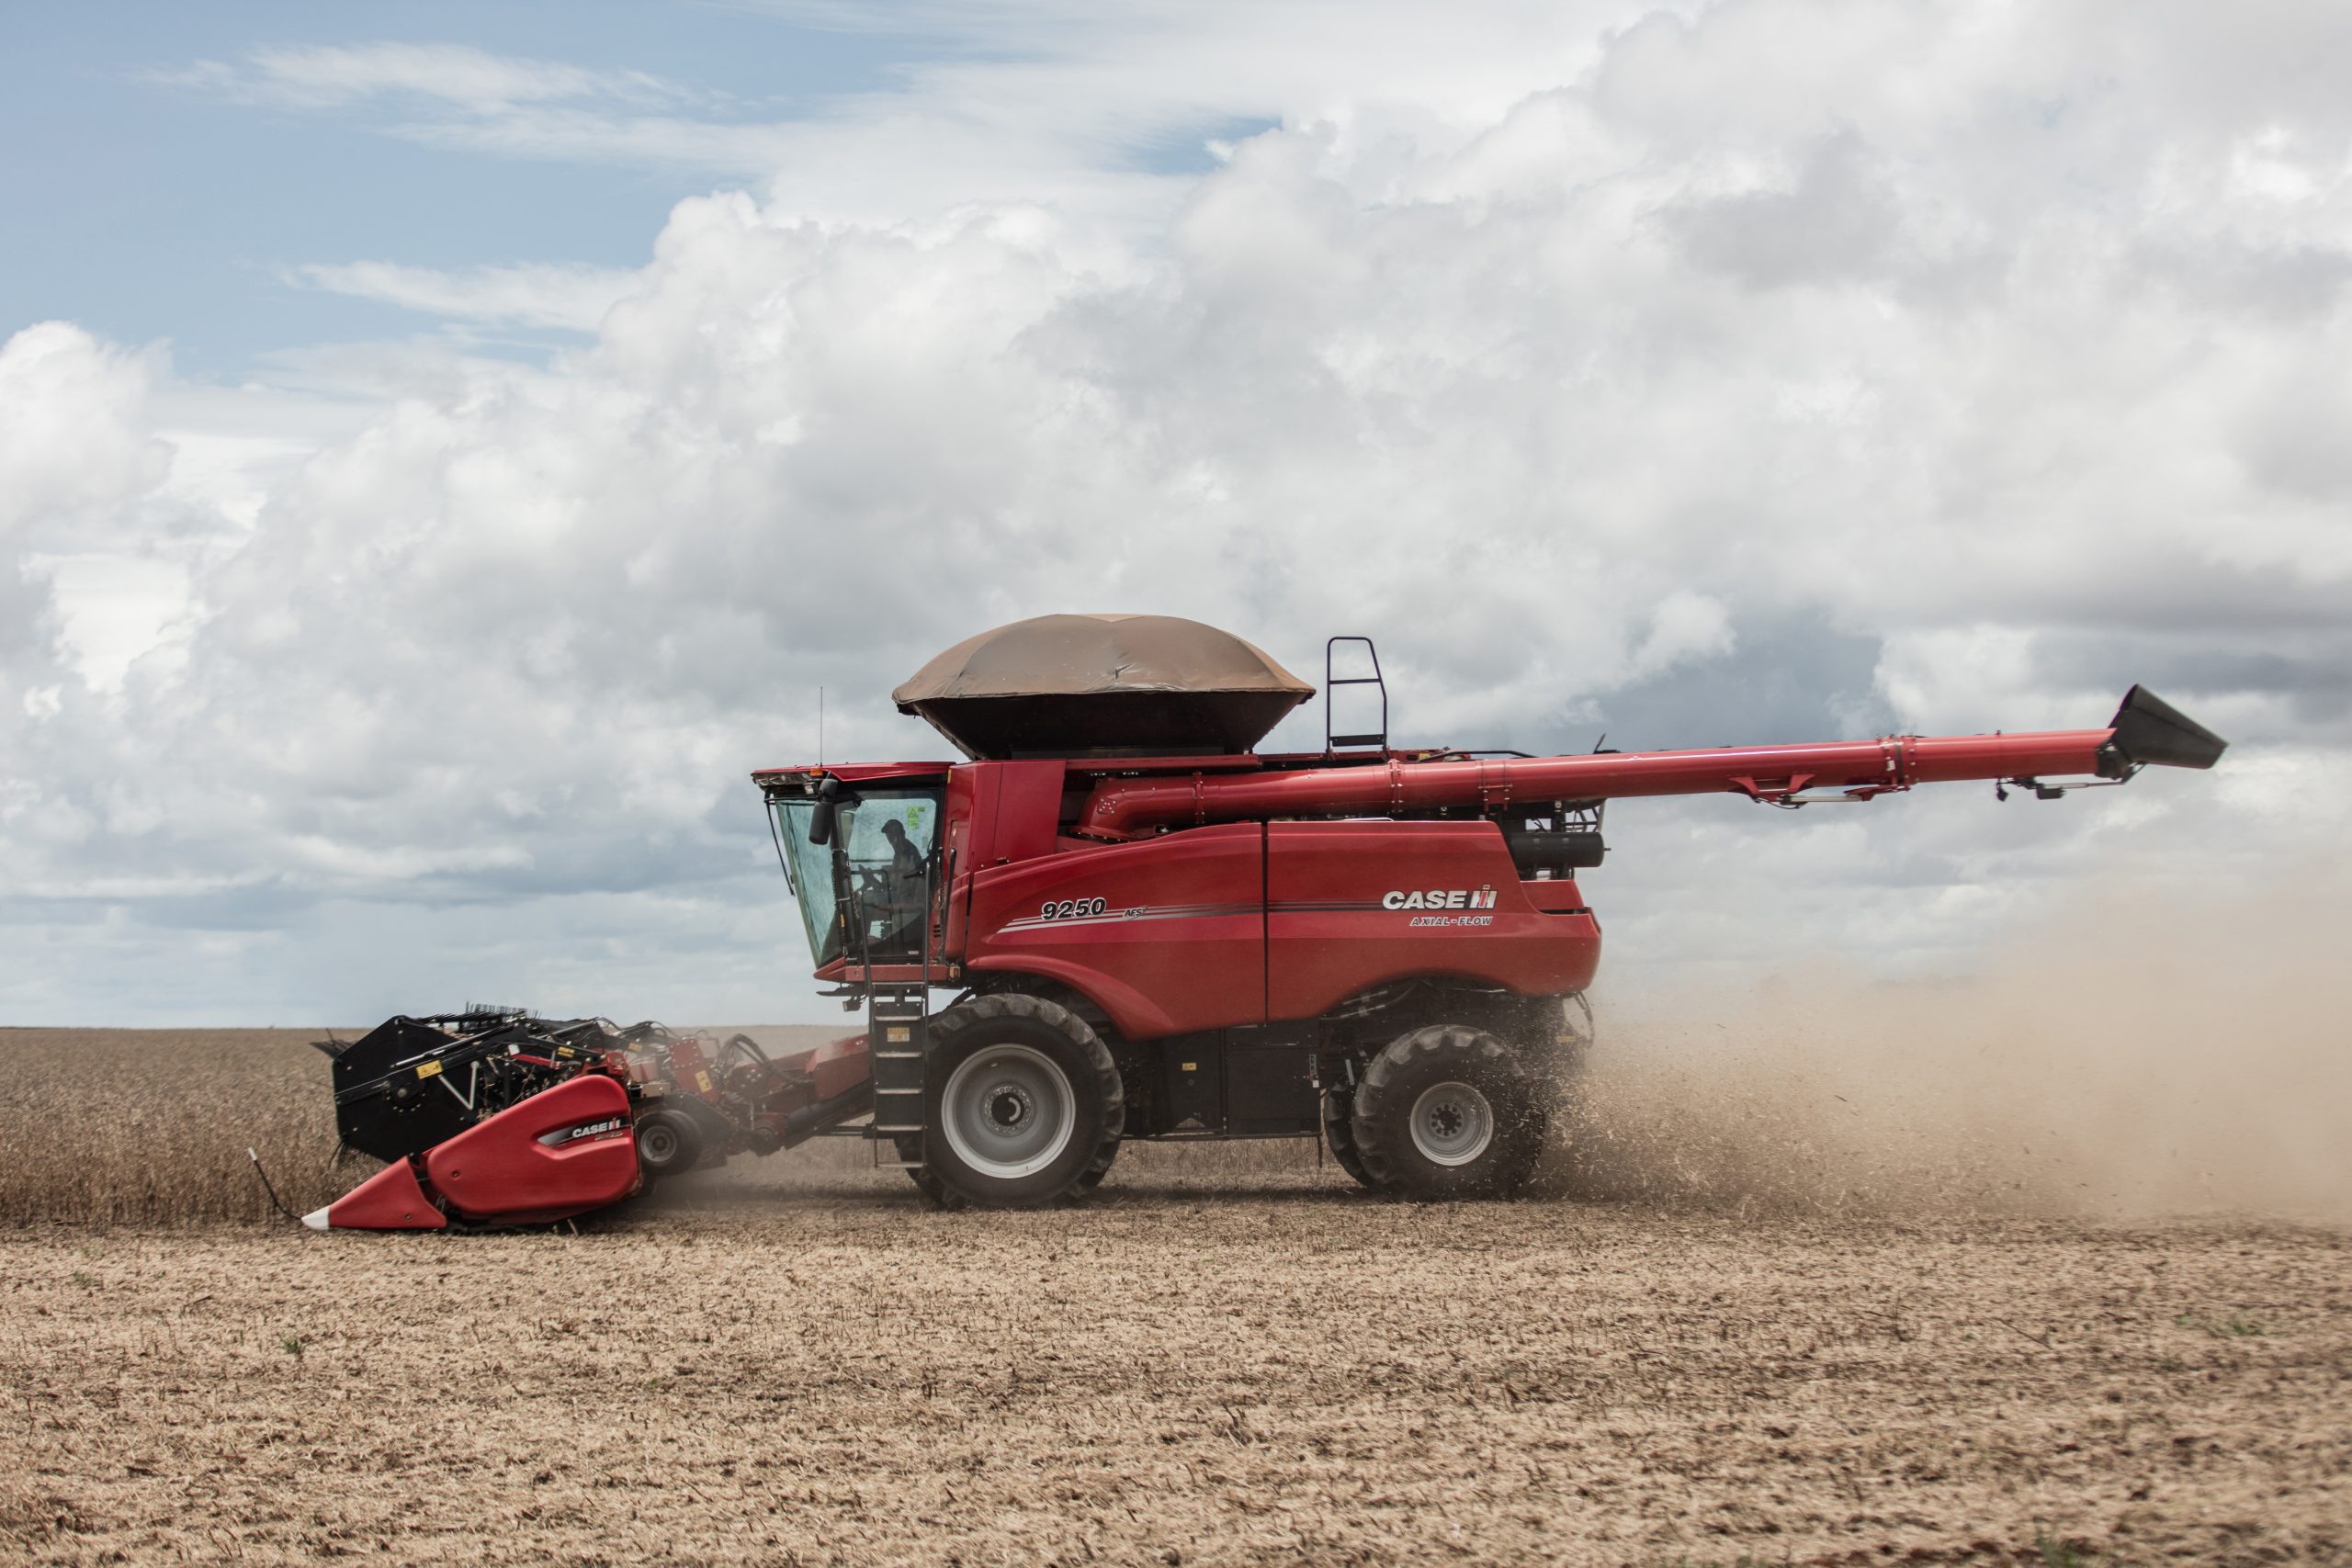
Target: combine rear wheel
1447	1111
1023	1103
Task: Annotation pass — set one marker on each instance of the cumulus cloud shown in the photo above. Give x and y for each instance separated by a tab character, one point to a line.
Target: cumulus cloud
73	451
1673	374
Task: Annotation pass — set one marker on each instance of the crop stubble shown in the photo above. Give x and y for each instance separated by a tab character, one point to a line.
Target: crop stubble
1285	1372
1228	1356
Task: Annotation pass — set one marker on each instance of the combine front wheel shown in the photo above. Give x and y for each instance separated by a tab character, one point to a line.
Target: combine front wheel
1447	1111
926	1181
1024	1102
1101	1168
1340	1132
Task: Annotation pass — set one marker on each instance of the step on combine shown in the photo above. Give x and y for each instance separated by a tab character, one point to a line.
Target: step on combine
1113	919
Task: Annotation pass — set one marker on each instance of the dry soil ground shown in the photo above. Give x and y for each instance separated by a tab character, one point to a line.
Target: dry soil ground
1215	1361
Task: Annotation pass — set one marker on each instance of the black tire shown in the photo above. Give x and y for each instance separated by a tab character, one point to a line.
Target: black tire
1340	1133
935	1192
668	1144
1007	1059
927	1182
1096	1172
1483	1118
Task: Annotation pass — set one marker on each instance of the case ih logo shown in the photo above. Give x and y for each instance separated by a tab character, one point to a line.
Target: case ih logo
1440	898
611	1127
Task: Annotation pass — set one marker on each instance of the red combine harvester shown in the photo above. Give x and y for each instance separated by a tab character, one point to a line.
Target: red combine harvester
1150	930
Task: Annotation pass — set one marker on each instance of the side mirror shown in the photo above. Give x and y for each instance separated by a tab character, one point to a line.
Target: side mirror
820	821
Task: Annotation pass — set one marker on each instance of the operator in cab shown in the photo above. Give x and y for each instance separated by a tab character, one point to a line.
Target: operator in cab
905	861
901	904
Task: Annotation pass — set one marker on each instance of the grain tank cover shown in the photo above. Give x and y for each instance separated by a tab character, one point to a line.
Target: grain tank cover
1102	685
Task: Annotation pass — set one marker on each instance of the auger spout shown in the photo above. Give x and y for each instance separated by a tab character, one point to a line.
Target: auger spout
2145	730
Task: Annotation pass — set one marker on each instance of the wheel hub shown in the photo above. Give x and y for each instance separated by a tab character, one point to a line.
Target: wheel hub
1453	1123
1008	1112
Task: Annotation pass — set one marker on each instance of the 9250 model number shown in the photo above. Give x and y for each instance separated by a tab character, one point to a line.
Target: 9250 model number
1071	909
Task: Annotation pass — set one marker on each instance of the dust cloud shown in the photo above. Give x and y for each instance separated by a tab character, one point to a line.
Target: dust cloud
2143	1054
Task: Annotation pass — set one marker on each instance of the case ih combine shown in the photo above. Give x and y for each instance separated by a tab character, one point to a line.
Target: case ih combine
1145	929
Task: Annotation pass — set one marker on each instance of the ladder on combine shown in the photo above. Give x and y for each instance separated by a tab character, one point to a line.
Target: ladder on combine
898	1051
897	1045
1332	681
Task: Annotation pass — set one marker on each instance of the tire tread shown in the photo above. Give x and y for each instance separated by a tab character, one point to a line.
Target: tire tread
1102	1079
1384	1143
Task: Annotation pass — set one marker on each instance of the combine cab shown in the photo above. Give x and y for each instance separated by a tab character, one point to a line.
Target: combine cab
1112	919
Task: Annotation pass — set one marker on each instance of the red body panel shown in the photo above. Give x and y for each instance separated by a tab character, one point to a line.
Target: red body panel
502	1170
1245	923
835	1067
388	1201
1028	809
1336	924
1178	942
1558	897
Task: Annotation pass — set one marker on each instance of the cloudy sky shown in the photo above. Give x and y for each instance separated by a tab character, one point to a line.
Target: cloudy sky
445	448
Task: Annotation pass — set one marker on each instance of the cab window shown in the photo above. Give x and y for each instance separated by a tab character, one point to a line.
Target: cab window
866	892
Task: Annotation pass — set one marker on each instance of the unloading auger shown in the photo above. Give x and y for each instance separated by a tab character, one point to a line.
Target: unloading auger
1143	929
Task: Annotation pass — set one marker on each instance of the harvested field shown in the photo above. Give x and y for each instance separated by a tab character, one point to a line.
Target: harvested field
1278	1372
1760	1314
